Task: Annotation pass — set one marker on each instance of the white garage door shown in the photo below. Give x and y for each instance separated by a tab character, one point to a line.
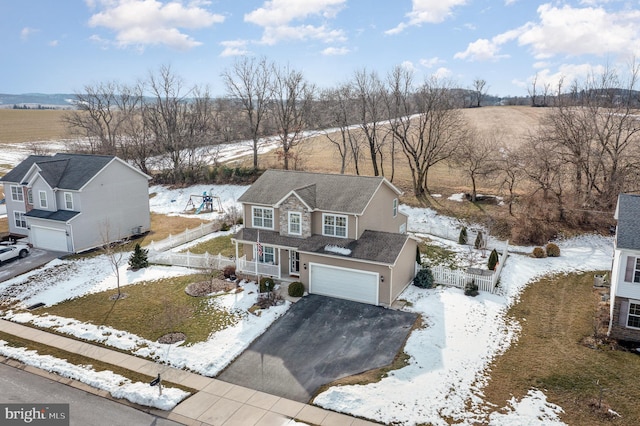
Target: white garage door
48	238
343	283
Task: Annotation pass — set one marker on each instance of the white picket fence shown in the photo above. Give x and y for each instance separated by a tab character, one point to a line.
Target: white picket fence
190	260
184	237
460	278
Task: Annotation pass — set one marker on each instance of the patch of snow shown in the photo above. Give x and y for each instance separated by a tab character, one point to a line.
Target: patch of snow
457	197
532	410
117	385
337	249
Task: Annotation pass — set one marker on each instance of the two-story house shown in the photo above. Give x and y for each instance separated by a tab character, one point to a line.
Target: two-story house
73	202
624	321
340	235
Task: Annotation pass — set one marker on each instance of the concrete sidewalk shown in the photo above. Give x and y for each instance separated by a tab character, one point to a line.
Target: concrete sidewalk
216	402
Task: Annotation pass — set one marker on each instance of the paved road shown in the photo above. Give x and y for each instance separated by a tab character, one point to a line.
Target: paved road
320	339
85	409
36	258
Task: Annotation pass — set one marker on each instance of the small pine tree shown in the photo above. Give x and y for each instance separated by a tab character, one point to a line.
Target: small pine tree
463	238
479	240
424	278
493	260
138	258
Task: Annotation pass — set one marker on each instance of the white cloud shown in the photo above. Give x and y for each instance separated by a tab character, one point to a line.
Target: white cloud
151	22
408	65
335	51
577	31
26	32
427	11
53	43
431	62
234	48
567	73
442	73
481	50
276	17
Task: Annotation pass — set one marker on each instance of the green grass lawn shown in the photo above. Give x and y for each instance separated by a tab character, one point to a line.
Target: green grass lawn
150	310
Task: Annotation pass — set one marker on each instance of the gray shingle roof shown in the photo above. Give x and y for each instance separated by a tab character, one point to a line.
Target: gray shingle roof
64	171
336	193
628	214
59	215
373	246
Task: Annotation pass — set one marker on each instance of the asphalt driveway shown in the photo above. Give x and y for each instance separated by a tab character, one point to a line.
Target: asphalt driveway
320	339
36	259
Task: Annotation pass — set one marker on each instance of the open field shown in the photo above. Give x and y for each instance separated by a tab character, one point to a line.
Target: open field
556	313
18	125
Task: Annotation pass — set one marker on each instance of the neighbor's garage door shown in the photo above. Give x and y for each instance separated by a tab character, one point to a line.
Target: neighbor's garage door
343	283
48	238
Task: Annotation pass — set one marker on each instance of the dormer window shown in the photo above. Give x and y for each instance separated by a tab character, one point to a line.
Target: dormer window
295	223
262	217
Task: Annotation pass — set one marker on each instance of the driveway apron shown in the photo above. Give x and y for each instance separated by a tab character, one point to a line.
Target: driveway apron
320	339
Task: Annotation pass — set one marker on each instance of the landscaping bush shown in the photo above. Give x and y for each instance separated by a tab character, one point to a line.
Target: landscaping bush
424	278
266	284
553	250
471	289
138	258
463	237
225	226
296	289
479	241
229	271
539	253
493	260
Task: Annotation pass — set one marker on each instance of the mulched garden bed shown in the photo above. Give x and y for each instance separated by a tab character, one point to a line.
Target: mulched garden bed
204	288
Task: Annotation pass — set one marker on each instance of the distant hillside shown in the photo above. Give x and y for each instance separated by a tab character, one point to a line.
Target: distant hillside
37	101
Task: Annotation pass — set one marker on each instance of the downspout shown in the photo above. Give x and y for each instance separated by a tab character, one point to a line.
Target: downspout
390	285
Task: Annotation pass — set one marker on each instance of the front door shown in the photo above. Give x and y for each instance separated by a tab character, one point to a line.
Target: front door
294	263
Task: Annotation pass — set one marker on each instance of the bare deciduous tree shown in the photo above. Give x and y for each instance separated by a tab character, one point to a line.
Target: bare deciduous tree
479	91
249	81
477	157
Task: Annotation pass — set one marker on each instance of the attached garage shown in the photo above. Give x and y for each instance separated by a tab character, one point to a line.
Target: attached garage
48	238
344	283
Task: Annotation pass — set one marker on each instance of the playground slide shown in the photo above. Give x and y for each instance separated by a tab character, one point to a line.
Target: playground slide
200	208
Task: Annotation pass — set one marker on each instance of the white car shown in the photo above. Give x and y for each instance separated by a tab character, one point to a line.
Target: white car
12	251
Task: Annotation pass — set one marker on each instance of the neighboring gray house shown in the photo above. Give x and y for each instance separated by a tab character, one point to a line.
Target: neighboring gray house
73	202
340	235
624	321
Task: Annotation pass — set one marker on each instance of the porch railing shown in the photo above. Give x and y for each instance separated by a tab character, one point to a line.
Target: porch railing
252	267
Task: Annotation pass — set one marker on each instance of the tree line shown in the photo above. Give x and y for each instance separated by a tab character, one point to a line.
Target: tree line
582	155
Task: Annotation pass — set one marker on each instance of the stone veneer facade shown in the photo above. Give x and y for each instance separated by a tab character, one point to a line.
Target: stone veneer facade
293	204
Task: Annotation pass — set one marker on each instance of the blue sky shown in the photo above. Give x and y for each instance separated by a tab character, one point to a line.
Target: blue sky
59	46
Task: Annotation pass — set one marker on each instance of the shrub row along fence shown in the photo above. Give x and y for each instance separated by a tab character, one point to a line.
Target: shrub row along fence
183	237
191	260
485	280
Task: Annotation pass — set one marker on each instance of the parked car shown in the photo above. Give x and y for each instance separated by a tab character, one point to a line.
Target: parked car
12	251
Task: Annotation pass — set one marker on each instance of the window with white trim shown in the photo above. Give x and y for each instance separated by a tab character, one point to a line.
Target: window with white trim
395	207
68	201
633	319
30	196
16	193
334	225
295	223
266	254
632	271
20	220
42	196
262	217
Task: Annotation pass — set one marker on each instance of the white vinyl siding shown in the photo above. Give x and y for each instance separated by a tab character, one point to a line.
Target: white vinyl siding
68	201
20	220
16	193
295	223
42	196
334	225
262	217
